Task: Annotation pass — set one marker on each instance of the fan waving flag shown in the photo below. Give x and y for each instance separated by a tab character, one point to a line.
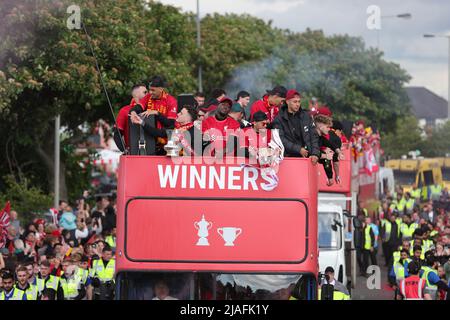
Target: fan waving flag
4	224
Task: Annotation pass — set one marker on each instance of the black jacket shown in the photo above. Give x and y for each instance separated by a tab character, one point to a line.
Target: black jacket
297	131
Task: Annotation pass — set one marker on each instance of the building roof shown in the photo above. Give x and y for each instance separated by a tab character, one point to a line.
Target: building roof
425	104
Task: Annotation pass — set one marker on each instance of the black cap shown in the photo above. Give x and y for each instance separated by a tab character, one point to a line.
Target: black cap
413	268
259	116
157	82
329	270
278	91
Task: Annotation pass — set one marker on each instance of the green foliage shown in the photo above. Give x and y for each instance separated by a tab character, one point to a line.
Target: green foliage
405	138
25	199
354	81
437	143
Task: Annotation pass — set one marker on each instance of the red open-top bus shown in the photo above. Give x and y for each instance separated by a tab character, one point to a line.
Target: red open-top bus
216	231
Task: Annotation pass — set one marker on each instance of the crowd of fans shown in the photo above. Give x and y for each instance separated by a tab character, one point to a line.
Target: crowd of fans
69	257
413	229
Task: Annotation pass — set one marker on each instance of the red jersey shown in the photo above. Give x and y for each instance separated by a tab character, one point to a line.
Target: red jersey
412	287
264	106
166	106
217	130
250	138
122	121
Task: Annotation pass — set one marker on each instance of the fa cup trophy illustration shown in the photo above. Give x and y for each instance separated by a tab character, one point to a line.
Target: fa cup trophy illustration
203	226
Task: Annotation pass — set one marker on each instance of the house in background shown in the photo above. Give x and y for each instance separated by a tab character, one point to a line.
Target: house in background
430	109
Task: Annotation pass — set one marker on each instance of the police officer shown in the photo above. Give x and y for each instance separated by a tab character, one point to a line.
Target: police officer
10	292
102	274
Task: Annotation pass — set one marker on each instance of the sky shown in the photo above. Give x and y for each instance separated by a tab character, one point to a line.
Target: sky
402	41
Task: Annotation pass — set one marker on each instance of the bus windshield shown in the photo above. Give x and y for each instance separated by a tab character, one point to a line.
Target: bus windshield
329	239
214	286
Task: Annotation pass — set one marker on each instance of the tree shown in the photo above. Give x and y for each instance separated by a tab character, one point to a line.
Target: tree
437	144
406	137
47	69
354	81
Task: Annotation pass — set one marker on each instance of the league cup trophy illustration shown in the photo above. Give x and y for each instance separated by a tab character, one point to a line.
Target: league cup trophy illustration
172	148
229	234
203	226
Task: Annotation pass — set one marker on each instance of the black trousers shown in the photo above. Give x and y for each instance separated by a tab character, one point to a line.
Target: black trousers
359	259
386	252
373	258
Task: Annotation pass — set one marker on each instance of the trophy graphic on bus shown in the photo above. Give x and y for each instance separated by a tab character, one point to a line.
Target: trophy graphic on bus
229	234
203	226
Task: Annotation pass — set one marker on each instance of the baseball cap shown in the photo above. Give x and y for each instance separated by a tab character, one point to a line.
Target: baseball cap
259	116
226	99
324	110
278	91
157	82
292	93
237	108
329	270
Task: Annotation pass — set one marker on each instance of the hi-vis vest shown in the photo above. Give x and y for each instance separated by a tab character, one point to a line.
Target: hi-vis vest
367	238
52	282
83	274
435	191
111	241
31	292
426	271
40	284
103	274
411	252
399	270
408	231
419	287
410	204
337	295
17	295
70	287
415	193
427	245
387	225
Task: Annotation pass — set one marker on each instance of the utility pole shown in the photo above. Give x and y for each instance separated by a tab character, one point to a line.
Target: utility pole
200	86
57	159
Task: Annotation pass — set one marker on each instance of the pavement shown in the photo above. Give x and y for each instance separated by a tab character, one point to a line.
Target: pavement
362	291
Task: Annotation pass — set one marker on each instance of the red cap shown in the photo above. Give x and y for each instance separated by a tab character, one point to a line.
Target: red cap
324	110
209	108
226	99
56	233
292	93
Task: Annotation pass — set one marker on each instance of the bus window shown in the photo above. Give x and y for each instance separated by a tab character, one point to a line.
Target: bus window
330	237
158	286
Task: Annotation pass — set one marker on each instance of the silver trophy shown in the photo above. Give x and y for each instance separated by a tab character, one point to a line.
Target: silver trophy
172	148
266	156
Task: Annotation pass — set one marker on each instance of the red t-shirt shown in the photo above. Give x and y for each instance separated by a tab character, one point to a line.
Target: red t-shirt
122	121
217	130
166	106
264	106
248	138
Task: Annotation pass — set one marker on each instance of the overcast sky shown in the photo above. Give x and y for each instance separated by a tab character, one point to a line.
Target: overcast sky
402	40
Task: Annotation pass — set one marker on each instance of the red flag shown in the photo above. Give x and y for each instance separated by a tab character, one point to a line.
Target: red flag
4	223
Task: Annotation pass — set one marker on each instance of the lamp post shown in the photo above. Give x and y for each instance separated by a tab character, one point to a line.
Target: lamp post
405	16
448	37
57	160
200	86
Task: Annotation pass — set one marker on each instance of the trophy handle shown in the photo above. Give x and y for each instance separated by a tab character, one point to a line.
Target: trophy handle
196	225
218	231
239	231
210	224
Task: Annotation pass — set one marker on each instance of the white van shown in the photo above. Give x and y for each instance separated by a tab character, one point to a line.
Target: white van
331	239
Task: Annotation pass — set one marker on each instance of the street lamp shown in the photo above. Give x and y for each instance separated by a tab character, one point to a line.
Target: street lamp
200	87
448	37
405	16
